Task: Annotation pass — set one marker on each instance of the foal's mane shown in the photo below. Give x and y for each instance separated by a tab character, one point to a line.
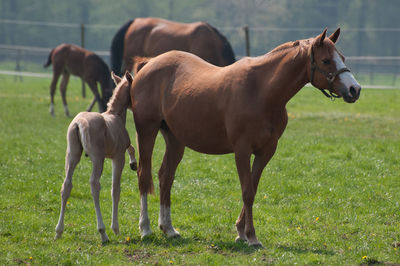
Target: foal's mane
120	97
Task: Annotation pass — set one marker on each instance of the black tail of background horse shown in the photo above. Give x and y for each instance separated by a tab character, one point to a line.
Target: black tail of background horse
117	48
48	63
227	51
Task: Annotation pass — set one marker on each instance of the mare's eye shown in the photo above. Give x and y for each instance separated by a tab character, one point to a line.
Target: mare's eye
326	61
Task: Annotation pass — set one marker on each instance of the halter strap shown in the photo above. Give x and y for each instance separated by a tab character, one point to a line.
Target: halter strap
330	76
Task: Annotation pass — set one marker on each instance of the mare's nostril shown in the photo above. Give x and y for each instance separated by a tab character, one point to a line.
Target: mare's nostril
353	91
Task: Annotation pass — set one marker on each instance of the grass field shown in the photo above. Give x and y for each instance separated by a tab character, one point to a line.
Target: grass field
330	195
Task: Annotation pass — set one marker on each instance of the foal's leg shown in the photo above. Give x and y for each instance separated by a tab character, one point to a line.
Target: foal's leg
132	159
172	157
117	167
146	140
93	86
260	161
98	163
72	158
63	90
53	86
242	158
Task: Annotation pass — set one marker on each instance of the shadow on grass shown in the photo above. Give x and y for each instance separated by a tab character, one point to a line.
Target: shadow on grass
307	250
215	246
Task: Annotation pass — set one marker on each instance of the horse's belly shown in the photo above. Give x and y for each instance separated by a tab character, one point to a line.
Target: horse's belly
202	138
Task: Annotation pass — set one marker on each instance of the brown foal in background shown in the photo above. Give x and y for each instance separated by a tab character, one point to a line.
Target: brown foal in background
100	136
70	59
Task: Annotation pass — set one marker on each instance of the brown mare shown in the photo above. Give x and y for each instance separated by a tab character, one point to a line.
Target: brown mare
100	136
153	36
236	109
71	59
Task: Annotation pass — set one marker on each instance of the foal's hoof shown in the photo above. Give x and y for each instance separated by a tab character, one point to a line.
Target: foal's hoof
170	232
133	166
57	236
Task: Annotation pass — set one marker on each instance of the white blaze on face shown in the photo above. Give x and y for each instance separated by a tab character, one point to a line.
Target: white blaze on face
346	77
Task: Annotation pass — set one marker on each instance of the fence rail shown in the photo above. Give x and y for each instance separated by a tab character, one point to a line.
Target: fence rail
371	69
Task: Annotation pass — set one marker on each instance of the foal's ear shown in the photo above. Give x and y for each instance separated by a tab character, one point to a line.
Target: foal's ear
334	36
319	40
115	78
128	77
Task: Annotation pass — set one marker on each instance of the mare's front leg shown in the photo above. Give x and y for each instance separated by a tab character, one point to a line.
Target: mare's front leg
172	157
242	158
260	161
63	90
117	167
98	162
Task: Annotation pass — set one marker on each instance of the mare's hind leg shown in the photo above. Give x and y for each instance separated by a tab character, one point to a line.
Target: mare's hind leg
53	85
72	158
146	138
172	157
132	159
117	167
63	90
260	161
102	106
98	163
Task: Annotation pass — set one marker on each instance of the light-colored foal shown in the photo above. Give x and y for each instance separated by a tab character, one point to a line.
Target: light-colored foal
100	136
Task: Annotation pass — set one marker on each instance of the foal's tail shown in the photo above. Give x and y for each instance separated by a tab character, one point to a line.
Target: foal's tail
139	63
48	63
117	48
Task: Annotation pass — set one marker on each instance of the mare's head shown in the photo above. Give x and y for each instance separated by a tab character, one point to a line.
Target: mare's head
328	70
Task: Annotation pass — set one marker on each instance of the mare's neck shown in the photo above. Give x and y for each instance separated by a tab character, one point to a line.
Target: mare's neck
283	74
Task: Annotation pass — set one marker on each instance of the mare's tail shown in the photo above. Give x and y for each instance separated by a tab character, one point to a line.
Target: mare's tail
117	48
48	63
139	63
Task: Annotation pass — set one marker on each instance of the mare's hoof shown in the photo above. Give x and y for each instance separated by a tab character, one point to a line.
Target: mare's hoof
238	239
256	245
133	166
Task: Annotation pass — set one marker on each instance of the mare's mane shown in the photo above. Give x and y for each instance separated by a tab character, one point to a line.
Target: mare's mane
300	45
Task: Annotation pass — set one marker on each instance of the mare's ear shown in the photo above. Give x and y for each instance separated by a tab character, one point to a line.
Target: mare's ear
335	36
115	78
319	40
128	77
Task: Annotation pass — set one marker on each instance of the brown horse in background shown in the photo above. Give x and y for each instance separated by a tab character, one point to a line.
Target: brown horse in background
150	37
71	59
238	109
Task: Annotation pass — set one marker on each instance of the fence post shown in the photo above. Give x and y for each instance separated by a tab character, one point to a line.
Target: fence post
246	36
18	66
83	46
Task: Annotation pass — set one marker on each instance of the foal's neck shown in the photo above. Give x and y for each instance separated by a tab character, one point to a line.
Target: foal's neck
119	102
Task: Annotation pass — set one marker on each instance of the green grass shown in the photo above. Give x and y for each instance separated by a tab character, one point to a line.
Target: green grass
330	195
